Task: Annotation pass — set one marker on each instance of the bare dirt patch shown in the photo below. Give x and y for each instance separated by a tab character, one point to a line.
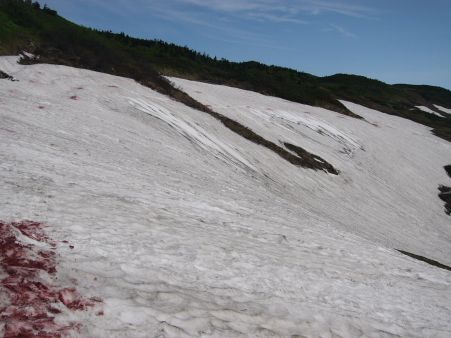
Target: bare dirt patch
3	75
426	260
445	192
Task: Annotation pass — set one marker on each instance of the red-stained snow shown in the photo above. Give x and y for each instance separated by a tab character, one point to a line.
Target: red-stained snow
33	300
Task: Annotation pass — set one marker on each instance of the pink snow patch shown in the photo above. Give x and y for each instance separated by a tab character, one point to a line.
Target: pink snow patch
33	300
72	300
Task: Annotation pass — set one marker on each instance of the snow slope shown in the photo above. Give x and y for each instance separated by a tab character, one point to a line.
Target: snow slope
429	110
443	109
184	228
390	167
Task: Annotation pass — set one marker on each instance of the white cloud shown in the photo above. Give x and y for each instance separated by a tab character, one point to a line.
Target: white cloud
283	11
276	11
221	18
344	32
292	12
282	8
262	17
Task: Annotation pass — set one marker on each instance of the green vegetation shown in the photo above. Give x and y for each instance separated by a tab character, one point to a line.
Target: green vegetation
27	27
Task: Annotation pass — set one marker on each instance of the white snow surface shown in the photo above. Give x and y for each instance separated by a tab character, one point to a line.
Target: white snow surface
186	229
429	110
443	109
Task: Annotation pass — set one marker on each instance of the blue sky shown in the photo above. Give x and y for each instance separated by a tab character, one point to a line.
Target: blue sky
397	41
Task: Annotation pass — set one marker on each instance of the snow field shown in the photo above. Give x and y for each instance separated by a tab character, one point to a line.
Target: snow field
185	229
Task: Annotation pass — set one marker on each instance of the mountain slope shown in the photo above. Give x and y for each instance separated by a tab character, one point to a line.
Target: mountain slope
146	206
59	41
180	227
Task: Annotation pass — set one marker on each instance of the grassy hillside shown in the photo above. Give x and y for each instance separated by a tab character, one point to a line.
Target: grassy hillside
24	26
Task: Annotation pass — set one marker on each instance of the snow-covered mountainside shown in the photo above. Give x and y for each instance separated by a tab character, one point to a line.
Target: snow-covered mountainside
152	219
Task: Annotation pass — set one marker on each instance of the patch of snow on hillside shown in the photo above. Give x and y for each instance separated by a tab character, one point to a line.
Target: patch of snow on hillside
428	110
443	109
